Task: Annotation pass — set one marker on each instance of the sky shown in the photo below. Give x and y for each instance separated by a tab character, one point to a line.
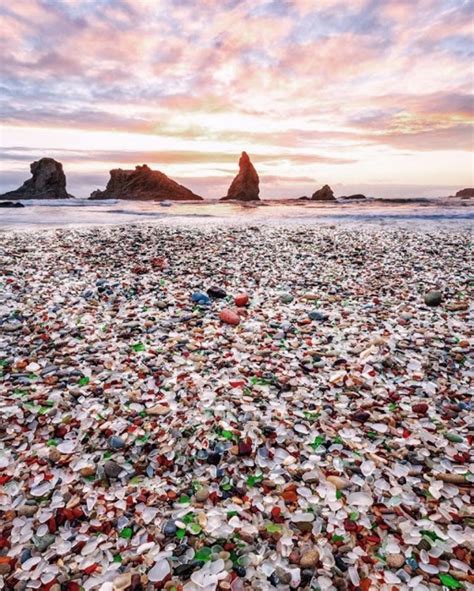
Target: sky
367	96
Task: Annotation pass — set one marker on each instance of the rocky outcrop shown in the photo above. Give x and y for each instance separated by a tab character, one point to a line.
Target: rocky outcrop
245	185
356	197
10	204
465	193
143	184
48	181
323	194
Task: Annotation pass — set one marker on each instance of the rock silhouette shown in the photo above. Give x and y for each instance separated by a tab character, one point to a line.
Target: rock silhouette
323	194
356	197
465	193
11	204
244	187
143	184
48	182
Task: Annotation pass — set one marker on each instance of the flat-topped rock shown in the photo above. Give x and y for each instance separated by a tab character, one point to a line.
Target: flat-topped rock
48	181
465	193
143	184
245	186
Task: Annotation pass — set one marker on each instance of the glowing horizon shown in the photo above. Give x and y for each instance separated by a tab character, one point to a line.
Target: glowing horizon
376	97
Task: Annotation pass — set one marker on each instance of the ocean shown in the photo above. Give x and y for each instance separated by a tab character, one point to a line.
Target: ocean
38	214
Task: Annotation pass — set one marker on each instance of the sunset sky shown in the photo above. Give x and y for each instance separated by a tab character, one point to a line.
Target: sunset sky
367	96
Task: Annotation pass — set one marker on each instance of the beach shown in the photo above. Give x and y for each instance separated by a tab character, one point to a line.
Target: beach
156	435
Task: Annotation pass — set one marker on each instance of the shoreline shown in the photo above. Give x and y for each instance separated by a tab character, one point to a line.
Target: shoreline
323	438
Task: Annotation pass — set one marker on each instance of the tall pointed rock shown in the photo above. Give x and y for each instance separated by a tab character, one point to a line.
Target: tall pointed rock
245	185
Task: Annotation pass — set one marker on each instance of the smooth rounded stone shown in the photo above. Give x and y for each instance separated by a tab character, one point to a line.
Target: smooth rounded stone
395	560
339	482
433	298
242	299
229	317
202	494
115	442
112	469
216	293
286	298
200	298
309	558
317	315
170	528
162	304
27	510
87	471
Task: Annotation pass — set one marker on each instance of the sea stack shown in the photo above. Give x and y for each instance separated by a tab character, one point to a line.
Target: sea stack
465	193
244	187
323	194
48	181
143	184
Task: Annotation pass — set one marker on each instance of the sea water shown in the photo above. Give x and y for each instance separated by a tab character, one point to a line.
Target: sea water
39	214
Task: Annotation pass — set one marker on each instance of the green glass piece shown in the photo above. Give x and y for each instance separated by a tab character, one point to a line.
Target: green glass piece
273	528
188	518
318	440
126	533
454	437
180	534
195	528
203	554
138	347
84	381
450	582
